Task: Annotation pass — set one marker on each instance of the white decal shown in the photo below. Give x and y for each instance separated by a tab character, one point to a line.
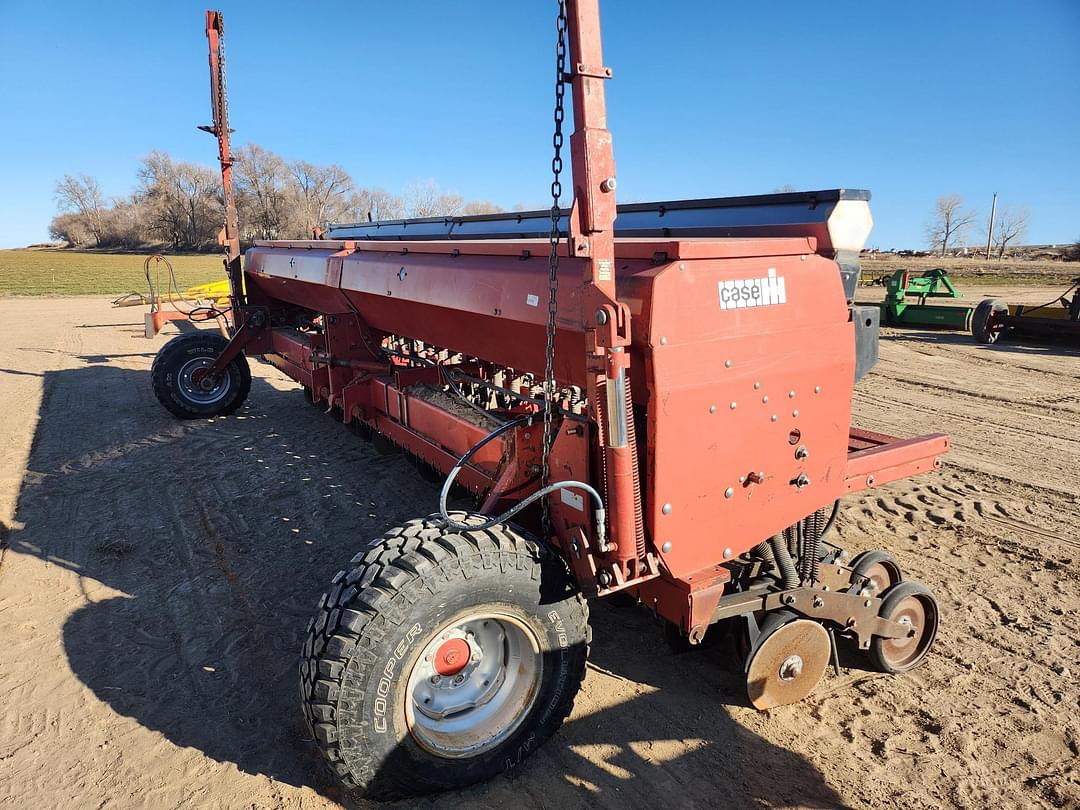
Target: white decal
532	300
382	690
753	292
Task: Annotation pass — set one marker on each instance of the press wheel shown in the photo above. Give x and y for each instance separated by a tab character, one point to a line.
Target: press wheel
879	567
912	604
787	661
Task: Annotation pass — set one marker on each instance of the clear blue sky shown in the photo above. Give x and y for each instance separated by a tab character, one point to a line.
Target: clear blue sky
911	100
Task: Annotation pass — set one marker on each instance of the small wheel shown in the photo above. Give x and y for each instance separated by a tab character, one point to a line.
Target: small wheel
787	661
180	384
912	604
441	658
980	320
874	572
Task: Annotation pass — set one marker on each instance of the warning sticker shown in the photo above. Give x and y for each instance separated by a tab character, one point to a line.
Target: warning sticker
572	499
753	292
532	300
603	270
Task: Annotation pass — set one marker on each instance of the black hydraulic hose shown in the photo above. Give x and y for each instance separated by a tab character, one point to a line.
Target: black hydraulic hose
832	518
600	512
789	577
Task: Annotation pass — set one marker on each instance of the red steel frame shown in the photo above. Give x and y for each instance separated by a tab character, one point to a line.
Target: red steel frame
706	490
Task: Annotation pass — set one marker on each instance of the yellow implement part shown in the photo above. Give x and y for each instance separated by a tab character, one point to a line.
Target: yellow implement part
217	291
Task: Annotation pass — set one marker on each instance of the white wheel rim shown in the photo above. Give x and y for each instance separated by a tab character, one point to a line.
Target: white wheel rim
467	712
196	393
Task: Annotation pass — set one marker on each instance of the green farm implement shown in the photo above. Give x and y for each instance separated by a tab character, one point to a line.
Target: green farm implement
905	301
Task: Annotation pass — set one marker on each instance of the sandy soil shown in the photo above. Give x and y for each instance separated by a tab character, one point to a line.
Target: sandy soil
157	577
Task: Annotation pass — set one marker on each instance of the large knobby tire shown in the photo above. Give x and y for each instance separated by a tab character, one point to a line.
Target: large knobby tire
174	388
383	657
980	320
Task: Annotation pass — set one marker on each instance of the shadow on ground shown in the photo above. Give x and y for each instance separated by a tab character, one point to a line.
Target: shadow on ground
219	536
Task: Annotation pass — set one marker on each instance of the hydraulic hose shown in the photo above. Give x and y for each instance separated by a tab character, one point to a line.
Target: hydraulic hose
789	577
600	513
832	518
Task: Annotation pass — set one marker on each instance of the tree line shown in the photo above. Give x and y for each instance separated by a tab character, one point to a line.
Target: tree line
180	204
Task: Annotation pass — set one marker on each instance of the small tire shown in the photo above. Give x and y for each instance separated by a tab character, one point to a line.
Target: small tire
171	372
878	566
911	603
364	672
980	320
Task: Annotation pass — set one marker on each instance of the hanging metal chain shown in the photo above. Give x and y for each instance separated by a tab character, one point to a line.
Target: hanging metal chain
550	386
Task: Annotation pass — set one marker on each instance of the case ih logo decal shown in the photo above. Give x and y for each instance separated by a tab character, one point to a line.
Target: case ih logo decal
753	292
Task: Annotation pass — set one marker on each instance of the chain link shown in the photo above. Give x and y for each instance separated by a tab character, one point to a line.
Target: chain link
550	386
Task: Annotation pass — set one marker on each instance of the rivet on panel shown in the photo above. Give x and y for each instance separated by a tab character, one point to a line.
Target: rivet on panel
791	394
765	398
727	364
734	405
817	389
712	409
727	553
795	413
729	492
667	509
663	341
666	547
682	266
742	479
757	385
772	418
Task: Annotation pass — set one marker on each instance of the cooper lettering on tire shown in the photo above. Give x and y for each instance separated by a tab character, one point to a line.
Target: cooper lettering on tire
441	658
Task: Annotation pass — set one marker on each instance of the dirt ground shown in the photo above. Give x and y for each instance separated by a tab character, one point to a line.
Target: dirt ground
157	577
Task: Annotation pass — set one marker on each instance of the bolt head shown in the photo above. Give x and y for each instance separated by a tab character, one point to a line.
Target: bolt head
608	185
666	547
729	492
666	509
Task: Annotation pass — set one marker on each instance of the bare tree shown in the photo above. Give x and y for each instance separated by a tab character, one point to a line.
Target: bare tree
82	196
182	201
481	207
1009	225
426	199
375	204
948	222
70	227
322	193
262	186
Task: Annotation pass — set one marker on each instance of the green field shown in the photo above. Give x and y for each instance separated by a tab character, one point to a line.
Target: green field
69	272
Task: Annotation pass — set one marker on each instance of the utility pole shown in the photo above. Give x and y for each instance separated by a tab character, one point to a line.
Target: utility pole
990	227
